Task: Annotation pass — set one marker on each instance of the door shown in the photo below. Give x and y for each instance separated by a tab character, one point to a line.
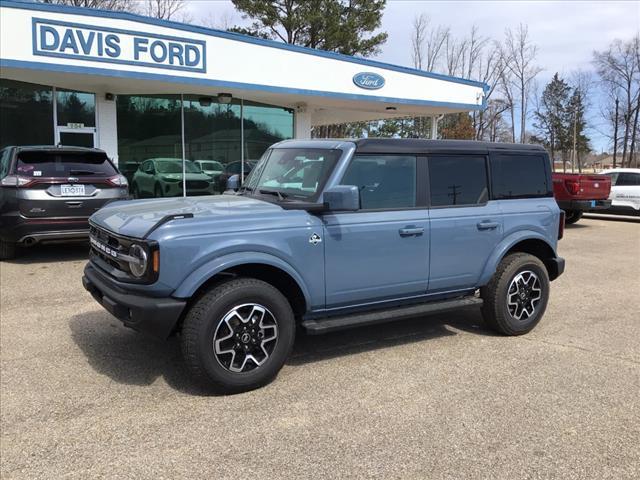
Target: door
626	191
380	252
465	225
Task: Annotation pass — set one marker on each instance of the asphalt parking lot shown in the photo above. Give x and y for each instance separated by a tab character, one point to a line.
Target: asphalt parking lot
437	397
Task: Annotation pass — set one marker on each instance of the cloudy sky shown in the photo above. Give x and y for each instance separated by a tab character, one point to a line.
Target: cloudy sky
566	32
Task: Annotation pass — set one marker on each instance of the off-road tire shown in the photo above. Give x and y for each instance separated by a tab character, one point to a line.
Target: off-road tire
572	216
207	312
494	309
7	250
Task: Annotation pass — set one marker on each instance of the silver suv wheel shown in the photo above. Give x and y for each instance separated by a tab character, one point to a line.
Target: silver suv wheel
523	295
245	338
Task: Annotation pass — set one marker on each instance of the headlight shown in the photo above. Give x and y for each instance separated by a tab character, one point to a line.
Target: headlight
138	265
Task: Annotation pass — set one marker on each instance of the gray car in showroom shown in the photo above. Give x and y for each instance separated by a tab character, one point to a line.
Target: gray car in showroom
48	193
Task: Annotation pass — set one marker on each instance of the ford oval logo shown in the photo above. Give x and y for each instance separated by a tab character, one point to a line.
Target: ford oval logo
368	80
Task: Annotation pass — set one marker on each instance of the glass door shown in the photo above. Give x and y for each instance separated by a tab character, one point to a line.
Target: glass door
75	118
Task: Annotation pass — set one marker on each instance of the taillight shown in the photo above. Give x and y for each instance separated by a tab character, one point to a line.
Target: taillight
573	186
16	181
118	181
561	225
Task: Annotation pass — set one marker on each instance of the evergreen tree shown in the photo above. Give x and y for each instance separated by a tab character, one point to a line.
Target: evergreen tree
575	126
551	116
336	25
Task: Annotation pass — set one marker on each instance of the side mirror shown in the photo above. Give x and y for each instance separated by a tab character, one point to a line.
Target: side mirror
233	182
342	198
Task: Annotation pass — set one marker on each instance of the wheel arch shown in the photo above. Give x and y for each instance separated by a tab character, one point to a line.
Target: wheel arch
265	267
533	244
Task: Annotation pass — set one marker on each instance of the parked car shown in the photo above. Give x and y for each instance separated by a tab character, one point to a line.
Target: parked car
625	190
210	167
162	177
47	193
577	193
392	229
231	169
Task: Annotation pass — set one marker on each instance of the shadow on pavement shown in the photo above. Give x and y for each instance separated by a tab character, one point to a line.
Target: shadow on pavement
614	217
61	252
130	358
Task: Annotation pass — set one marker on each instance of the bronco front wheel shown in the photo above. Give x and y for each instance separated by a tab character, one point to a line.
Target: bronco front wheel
238	335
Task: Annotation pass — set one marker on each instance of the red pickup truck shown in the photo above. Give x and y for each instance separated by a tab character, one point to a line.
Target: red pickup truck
580	192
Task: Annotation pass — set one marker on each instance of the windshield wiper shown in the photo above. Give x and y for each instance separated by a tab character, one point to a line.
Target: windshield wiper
281	196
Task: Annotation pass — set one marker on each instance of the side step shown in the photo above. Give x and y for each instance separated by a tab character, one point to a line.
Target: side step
331	324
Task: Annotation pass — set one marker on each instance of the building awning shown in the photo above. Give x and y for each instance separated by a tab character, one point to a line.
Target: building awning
122	53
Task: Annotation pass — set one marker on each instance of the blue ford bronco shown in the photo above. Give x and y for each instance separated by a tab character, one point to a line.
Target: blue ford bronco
326	235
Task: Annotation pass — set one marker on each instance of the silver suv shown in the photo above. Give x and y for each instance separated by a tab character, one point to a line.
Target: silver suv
47	193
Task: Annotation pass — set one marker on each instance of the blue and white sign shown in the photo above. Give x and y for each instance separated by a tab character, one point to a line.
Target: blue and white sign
97	44
368	80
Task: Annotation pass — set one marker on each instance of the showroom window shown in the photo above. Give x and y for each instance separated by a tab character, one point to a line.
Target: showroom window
458	180
213	129
23	104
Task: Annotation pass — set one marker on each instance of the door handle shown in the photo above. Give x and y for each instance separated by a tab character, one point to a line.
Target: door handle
487	225
411	231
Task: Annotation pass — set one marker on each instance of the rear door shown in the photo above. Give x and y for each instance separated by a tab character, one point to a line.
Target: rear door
627	190
380	252
465	225
59	183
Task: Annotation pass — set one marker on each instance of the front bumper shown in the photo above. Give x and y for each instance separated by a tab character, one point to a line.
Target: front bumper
584	205
155	316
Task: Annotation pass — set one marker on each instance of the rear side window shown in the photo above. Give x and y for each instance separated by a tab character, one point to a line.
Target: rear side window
63	164
5	158
384	181
519	176
628	179
458	180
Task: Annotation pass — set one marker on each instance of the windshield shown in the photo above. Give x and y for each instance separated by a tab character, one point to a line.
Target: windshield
170	166
295	172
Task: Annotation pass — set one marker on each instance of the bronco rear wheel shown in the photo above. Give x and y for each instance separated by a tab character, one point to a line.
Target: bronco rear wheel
238	335
516	297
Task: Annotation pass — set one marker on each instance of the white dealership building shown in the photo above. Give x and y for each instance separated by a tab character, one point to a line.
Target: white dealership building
140	88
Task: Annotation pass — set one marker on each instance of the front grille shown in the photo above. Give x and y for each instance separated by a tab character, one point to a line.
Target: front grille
106	245
199	184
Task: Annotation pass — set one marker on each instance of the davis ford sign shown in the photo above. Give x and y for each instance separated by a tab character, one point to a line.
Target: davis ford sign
111	45
368	80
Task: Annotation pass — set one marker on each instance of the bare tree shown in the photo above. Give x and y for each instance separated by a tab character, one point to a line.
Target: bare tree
434	41
163	9
619	72
420	23
521	55
455	52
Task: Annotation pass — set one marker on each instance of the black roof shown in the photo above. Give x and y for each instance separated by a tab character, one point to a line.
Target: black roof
414	145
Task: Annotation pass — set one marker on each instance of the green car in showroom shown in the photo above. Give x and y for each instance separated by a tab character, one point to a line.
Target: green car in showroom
162	177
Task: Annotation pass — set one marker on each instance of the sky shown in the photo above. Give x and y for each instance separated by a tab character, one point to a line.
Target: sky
565	32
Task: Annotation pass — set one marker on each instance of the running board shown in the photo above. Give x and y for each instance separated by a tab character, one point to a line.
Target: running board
331	324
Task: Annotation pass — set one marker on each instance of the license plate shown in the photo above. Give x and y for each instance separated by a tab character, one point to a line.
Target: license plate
72	190
593	203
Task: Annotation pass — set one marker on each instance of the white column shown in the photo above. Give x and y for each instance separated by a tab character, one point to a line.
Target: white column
434	127
107	126
302	122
